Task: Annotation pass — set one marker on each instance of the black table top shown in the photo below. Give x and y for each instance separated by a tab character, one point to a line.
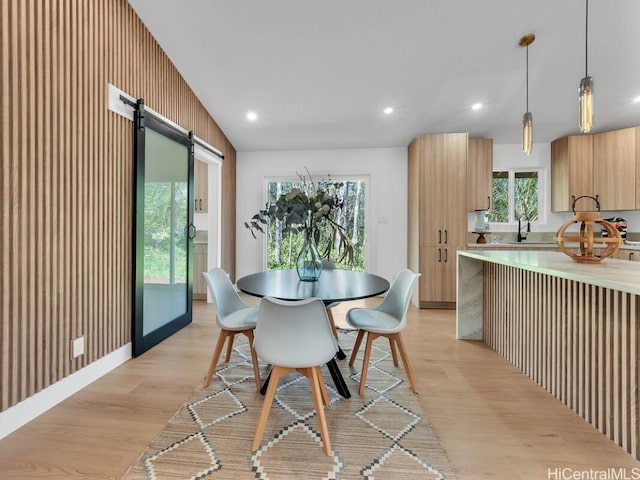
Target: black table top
332	286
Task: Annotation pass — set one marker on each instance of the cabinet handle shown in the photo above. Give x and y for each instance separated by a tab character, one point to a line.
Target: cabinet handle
630	255
439	236
489	204
446	256
446	236
200	204
439	255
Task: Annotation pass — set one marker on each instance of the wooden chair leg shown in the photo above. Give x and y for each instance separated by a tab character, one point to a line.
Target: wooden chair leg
365	363
254	359
317	400
405	361
216	355
332	323
356	347
323	388
230	346
394	353
276	374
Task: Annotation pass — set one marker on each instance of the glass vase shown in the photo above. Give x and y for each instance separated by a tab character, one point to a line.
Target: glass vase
309	263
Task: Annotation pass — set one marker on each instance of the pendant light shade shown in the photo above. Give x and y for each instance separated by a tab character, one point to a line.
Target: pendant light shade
527	133
586	85
586	104
527	118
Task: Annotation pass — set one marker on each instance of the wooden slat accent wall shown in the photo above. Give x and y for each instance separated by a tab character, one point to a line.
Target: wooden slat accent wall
578	341
66	180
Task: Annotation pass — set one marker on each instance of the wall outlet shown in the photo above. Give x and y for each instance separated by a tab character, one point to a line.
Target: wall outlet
78	347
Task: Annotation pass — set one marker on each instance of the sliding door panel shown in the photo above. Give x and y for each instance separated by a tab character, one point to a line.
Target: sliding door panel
163	247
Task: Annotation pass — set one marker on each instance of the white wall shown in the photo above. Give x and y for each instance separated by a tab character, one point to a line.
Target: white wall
386	223
511	156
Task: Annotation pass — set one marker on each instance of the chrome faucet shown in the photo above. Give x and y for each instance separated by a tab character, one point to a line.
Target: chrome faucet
520	227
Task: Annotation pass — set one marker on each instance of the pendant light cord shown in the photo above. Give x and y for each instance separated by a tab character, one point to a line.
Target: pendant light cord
527	81
586	36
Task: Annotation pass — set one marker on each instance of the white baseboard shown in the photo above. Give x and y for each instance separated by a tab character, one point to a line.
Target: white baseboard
25	411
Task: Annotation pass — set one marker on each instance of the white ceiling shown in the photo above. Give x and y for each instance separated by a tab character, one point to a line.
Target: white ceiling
319	74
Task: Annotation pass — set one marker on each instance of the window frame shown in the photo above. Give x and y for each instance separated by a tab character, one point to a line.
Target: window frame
365	178
542	211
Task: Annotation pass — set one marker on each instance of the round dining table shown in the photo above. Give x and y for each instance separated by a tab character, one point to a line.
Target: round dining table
333	286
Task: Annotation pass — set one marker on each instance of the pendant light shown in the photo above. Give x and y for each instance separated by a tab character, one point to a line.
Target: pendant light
586	84
527	118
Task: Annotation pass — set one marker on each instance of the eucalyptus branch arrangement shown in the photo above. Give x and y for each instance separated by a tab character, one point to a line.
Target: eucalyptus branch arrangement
308	208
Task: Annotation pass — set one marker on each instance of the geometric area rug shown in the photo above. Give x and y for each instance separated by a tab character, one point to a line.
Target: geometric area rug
381	435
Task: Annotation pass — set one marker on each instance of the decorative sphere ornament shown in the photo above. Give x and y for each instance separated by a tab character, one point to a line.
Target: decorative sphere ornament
591	249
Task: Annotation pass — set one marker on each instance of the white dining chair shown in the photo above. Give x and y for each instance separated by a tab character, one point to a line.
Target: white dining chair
295	336
386	320
233	316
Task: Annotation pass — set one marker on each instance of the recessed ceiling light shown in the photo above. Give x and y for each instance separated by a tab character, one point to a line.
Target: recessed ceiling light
636	100
252	116
388	110
476	106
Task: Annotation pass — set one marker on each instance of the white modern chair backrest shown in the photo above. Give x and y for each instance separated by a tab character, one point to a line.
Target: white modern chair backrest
224	294
396	301
294	334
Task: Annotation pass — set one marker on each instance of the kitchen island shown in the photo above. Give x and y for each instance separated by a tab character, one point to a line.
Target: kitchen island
571	327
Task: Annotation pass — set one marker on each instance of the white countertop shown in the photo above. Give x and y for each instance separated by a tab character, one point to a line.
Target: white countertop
535	245
612	273
507	245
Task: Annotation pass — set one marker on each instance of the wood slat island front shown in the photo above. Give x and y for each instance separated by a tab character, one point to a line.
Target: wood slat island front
571	327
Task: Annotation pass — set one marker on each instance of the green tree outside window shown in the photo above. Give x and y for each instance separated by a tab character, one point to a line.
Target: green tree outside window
515	195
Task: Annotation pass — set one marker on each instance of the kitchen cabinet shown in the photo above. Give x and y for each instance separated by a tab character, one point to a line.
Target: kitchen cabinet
571	172
437	210
200	182
479	174
199	266
602	165
614	169
437	286
638	168
633	255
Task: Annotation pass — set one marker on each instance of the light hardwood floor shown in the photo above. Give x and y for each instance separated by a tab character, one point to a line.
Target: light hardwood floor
494	422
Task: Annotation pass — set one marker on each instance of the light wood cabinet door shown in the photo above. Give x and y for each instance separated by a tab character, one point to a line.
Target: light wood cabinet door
432	190
443	213
200	181
438	279
454	197
637	168
199	266
571	172
479	174
614	169
632	255
432	269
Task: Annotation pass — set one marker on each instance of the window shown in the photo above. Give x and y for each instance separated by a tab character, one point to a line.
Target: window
283	249
515	195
